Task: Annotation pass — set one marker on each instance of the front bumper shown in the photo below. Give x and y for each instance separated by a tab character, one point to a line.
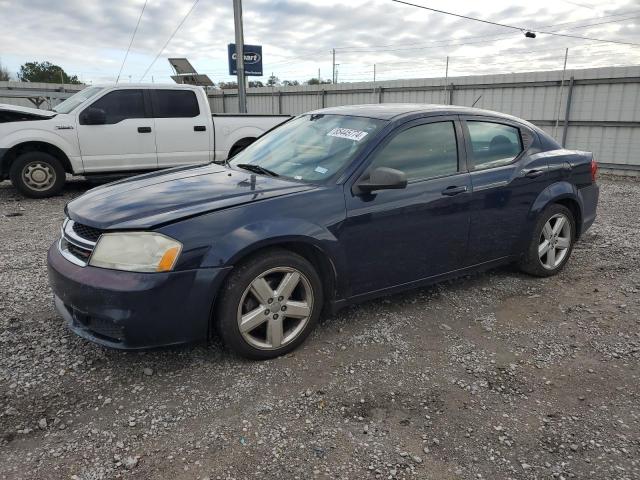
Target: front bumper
4	165
131	311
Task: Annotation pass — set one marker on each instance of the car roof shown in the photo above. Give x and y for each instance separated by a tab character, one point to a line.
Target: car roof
172	86
390	111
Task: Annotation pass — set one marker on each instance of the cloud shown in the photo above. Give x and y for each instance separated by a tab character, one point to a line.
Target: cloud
90	38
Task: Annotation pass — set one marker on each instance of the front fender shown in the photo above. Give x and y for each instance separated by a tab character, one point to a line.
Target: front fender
237	244
69	148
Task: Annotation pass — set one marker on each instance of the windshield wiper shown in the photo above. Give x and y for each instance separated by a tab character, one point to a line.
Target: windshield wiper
257	169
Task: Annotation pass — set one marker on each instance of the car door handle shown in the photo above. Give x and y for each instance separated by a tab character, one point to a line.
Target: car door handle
454	190
144	129
199	128
533	173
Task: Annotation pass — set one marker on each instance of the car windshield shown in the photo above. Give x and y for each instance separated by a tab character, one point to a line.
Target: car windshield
311	148
74	100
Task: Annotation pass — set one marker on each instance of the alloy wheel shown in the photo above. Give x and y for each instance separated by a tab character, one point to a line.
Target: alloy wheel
555	241
275	308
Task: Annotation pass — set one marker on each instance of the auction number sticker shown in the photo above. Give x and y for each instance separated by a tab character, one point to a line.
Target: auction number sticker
347	133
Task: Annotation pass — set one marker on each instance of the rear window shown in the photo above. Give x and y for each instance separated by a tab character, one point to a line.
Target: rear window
175	104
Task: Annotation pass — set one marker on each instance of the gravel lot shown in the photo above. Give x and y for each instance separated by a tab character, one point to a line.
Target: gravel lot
492	376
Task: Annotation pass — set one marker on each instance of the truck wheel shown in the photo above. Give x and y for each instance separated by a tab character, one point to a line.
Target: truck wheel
37	174
552	242
269	305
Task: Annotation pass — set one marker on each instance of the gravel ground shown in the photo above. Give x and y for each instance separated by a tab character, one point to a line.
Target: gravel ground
493	376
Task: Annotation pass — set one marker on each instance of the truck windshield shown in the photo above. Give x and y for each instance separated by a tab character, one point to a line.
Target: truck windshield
74	100
311	148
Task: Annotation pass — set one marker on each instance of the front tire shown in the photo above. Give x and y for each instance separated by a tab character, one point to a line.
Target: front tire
552	242
269	305
37	174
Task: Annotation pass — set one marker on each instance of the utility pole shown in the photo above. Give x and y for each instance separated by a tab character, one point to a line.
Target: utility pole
446	80
319	79
564	70
333	76
242	92
374	72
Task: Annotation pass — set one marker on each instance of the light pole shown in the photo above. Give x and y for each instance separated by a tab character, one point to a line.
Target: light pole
237	19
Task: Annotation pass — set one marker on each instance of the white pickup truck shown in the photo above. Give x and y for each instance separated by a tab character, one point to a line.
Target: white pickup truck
119	129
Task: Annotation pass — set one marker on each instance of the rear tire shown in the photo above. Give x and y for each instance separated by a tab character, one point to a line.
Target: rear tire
552	242
37	174
269	305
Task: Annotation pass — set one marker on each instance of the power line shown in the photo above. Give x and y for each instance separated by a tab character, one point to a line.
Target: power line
169	39
443	43
131	42
513	27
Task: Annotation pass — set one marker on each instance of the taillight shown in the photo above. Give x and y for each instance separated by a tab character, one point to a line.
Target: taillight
594	170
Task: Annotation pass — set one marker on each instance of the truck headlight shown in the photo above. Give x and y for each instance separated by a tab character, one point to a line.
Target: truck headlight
136	252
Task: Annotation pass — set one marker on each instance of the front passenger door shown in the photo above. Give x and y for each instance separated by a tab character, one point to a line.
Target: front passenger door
395	237
125	141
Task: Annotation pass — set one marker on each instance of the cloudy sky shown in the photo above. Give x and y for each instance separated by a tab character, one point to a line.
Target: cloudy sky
89	37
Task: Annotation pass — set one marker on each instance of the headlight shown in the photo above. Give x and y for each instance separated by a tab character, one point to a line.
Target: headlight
136	252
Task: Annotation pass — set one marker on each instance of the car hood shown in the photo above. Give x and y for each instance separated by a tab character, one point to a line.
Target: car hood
24	113
154	199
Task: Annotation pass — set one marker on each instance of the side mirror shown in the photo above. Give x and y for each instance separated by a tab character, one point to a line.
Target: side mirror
383	178
93	116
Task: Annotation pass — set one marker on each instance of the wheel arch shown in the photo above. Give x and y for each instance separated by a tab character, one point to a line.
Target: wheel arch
315	254
563	193
241	144
35	146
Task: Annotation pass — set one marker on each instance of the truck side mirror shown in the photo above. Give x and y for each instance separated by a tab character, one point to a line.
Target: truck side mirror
93	116
383	178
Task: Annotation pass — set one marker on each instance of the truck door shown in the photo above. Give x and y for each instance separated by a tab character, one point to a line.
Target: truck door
116	133
182	128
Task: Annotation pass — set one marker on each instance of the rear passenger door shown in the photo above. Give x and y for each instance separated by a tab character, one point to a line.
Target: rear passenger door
506	177
182	136
395	237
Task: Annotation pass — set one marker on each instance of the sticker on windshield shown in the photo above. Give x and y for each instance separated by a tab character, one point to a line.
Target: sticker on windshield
321	170
347	133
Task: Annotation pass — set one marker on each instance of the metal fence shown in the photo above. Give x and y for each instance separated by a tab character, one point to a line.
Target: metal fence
592	109
36	95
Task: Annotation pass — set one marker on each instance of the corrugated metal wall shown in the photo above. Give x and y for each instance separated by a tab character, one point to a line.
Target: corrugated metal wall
604	113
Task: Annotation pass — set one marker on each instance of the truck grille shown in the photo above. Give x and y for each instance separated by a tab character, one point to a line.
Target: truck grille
78	241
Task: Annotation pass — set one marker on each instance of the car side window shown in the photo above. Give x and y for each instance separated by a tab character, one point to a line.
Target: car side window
421	152
175	104
493	144
121	105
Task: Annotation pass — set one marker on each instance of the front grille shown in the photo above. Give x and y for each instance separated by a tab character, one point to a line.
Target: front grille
87	232
76	251
77	242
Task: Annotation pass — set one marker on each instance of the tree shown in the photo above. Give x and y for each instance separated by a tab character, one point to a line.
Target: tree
273	81
316	81
45	72
256	83
290	83
4	73
227	85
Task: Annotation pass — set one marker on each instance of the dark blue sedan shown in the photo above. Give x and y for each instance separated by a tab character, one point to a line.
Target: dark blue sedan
334	207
